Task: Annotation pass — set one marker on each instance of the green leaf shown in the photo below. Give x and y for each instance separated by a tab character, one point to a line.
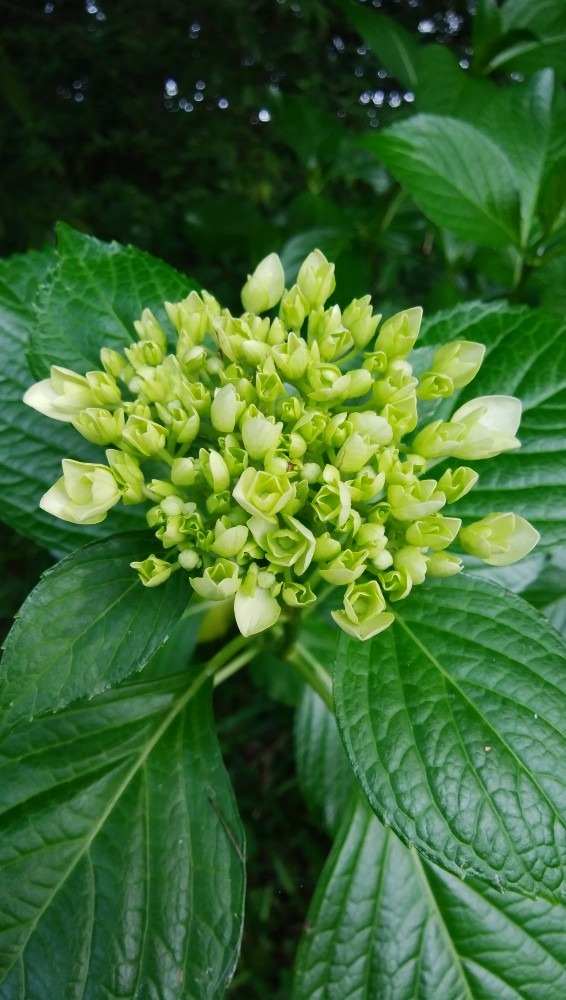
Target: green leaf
92	297
323	770
486	27
454	721
87	625
384	924
121	861
393	45
458	177
31	445
536	37
22	273
526	357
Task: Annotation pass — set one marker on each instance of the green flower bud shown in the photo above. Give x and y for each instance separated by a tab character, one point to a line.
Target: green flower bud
156	489
372	537
182	425
333	503
184	472
255	608
345	568
460	361
292	358
358	319
363	615
218	582
147	328
316	279
376	362
105	391
153	570
412	561
128	475
265	286
499	539
434	531
195	394
311	471
402	417
376	428
192	317
189	559
113	363
439	439
146	354
226	409
435	385
235	457
443	564
395	387
291	545
61	397
311	425
397	583
298	595
229	539
327	329
326	547
262	493
416	500
490	424
214	469
144	436
100	426
218	503
331	386
294	308
355	453
269	386
260	434
399	333
84	494
277	333
379	513
456	484
367	485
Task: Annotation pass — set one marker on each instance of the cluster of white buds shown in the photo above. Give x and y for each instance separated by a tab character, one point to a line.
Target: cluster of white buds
273	450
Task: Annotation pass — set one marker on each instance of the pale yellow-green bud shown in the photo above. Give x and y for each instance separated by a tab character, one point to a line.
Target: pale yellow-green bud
182	425
416	500
236	458
331	386
61	397
412	561
293	544
327	329
84	494
226	408
402	416
316	279
395	387
376	362
147	328
439	439
260	434
294	308
333	503
145	436
255	608
189	559
298	595
443	564
277	333
100	426
196	394
435	385
192	317
490	424
367	485
105	391
113	363
358	319
127	474
363	615
153	570
434	531
326	547
214	469
145	354
345	568
376	428
372	537
355	453
265	286
460	361
184	472
218	582
269	386
292	358
262	493
399	333
499	539
455	484
229	539
397	583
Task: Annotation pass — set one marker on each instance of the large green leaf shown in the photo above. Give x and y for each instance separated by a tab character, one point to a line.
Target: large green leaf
454	720
458	177
87	625
91	298
394	46
384	924
121	858
526	357
31	446
534	36
324	772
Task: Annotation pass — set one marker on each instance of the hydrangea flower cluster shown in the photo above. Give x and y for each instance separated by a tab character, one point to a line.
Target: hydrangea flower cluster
279	451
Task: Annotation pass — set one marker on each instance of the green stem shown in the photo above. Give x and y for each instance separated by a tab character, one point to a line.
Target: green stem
314	674
236	664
